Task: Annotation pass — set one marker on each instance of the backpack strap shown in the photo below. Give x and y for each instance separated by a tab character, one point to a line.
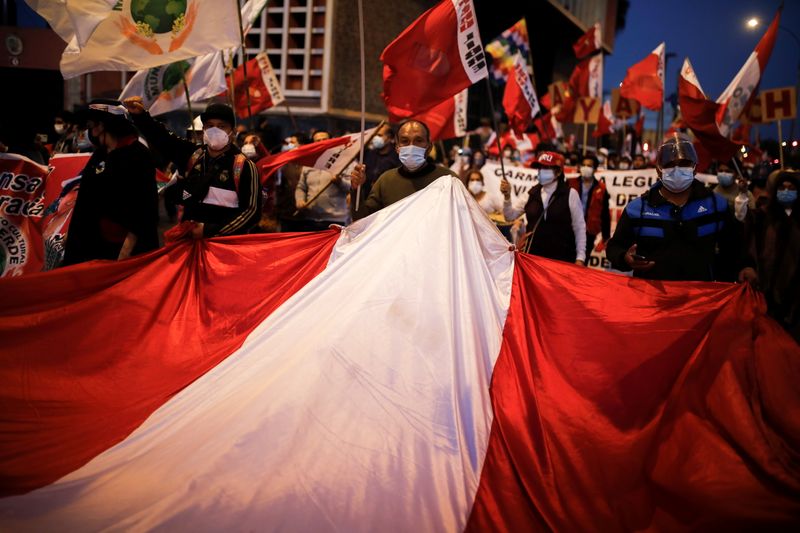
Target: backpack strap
193	159
238	164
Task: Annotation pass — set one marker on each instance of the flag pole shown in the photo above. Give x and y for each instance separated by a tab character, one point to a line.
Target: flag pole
244	65
363	94
289	112
228	66
313	198
585	136
496	127
188	101
780	142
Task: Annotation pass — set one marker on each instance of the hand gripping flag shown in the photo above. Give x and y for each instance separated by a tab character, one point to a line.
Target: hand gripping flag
740	91
436	57
519	99
588	43
140	34
262	84
462	406
644	81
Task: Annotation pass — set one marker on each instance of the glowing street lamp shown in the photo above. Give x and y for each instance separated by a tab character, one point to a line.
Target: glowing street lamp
752	22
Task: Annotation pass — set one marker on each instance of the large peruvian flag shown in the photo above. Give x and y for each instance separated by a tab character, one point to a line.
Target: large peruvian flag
333	155
698	113
644	81
519	99
436	57
740	91
390	378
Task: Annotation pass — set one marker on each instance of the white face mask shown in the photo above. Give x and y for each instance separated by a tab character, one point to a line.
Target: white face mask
725	178
475	187
412	157
216	138
287	147
249	150
59	128
677	179
586	172
624	166
377	142
546	175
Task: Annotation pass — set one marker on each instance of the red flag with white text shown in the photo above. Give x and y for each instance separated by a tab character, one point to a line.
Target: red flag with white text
519	98
437	56
262	84
587	77
644	81
447	119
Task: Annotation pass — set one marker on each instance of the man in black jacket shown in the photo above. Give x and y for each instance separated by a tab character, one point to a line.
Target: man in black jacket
116	212
679	230
220	190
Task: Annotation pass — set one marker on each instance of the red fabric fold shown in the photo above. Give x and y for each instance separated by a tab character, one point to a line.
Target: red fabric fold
90	351
623	404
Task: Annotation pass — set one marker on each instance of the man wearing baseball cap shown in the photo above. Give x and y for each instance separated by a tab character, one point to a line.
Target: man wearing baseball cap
556	228
116	211
219	189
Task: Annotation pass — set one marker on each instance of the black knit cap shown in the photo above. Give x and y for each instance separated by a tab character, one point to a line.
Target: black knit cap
220	112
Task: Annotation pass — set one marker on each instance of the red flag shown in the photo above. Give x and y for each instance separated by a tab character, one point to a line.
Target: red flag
261	83
436	57
606	121
544	125
740	91
448	119
645	80
589	42
698	112
519	98
587	77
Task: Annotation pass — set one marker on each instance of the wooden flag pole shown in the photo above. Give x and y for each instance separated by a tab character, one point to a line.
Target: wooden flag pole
780	142
188	101
313	198
244	65
496	128
363	94
585	136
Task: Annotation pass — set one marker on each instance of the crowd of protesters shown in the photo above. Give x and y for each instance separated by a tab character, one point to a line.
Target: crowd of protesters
745	228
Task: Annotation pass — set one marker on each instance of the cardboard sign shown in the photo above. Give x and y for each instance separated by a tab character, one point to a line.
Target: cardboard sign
559	92
754	115
587	110
623	107
778	104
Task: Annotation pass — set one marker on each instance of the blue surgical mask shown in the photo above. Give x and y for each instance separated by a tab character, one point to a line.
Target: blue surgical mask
377	142
412	157
546	175
677	179
787	197
725	178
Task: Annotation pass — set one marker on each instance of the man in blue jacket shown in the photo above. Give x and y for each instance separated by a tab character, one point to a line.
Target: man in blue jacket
679	230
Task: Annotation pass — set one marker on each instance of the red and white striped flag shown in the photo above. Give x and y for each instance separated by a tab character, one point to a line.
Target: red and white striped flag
389	378
437	56
332	155
261	83
519	98
644	81
740	91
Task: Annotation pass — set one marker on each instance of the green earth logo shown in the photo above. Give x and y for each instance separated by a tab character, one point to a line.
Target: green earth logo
154	17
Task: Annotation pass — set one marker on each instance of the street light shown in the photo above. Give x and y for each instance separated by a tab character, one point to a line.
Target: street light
753	23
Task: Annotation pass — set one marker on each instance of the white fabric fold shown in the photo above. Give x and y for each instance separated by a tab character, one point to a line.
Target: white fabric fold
361	404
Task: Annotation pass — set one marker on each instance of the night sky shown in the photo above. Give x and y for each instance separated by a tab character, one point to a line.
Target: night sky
713	35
